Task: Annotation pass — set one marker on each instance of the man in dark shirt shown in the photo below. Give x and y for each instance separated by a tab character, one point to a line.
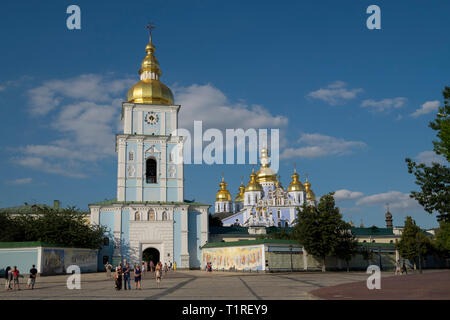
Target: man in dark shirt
126	277
32	279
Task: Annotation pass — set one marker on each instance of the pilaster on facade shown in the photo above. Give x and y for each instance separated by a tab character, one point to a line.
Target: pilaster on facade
163	171
121	169
95	215
140	169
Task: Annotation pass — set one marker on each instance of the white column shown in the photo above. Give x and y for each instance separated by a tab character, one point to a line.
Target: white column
204	227
163	124
163	171
140	172
121	170
95	216
128	120
180	174
184	238
117	230
305	259
140	121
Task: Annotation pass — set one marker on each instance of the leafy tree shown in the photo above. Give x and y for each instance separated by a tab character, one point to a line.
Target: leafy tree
346	246
320	229
58	226
434	180
442	242
413	243
283	234
214	221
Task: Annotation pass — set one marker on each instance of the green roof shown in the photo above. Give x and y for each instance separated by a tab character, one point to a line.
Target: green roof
114	201
248	243
28	244
372	231
228	230
376	245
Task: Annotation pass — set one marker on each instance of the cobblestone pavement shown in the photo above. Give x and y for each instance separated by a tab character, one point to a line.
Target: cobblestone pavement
191	285
427	286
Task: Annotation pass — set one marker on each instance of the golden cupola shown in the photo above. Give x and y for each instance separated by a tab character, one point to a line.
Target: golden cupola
223	194
240	196
149	89
265	174
309	193
253	185
295	184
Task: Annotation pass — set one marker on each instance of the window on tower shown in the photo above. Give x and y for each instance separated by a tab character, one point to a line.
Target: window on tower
150	170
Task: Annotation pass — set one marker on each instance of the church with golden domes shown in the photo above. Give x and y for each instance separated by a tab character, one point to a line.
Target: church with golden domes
150	218
263	202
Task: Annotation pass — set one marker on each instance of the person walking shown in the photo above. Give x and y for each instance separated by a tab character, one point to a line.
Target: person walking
151	266
404	268
397	267
108	268
8	278
158	274
137	277
118	277
174	266
126	277
15	277
143	268
165	268
32	279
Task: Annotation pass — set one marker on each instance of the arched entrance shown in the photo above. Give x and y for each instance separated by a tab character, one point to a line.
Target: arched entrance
151	254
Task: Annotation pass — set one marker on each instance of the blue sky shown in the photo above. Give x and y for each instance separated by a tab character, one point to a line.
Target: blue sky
345	98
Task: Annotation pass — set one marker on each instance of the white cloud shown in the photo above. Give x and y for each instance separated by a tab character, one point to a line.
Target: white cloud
86	87
20	181
397	200
344	194
335	93
385	104
428	157
318	145
427	107
209	104
85	115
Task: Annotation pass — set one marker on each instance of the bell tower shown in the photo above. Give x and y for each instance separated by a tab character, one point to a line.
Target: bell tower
150	166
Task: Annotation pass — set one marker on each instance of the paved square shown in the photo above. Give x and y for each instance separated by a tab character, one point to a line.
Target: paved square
192	285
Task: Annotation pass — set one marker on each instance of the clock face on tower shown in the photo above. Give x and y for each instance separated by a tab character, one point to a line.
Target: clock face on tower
151	118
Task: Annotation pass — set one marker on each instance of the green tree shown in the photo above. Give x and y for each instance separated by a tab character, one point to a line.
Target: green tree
434	180
59	226
319	229
346	246
413	243
442	242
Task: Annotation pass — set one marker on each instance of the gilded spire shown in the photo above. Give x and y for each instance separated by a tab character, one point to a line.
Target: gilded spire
295	184
309	193
240	195
150	89
223	194
265	173
253	185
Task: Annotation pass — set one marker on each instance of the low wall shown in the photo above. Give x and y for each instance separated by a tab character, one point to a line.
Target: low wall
48	259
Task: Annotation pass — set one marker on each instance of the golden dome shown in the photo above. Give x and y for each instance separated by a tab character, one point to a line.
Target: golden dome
149	89
309	193
223	194
253	185
265	174
295	184
240	195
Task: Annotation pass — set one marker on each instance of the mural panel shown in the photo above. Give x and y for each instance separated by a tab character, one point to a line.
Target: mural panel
239	258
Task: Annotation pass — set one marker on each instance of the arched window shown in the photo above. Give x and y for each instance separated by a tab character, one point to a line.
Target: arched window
151	215
286	224
150	170
164	216
137	216
279	214
279	223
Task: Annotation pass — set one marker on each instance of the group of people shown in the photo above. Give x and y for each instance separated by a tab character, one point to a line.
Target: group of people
122	273
12	278
400	268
